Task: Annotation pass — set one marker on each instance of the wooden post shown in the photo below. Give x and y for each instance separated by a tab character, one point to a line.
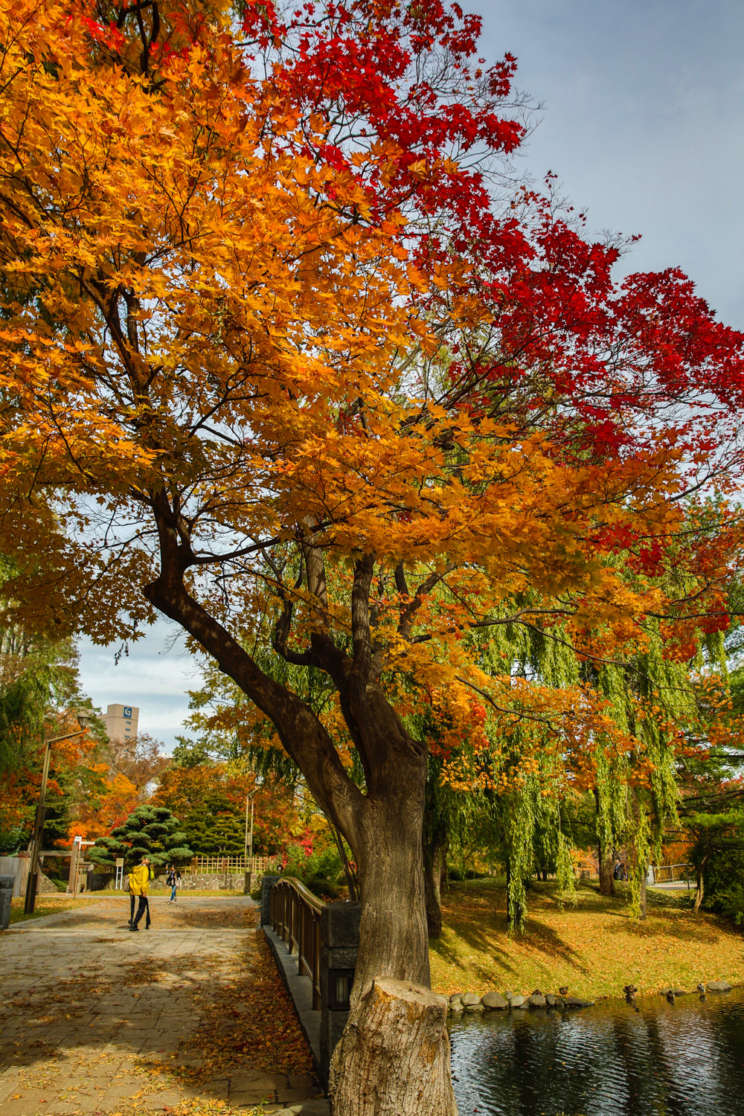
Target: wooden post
33	870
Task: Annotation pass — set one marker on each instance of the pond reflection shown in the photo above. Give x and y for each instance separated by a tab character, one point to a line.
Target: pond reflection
681	1059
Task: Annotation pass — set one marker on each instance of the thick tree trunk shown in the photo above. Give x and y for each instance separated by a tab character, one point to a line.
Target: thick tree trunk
393	940
397	1043
383	1065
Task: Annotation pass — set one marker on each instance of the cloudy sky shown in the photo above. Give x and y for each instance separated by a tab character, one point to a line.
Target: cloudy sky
642	121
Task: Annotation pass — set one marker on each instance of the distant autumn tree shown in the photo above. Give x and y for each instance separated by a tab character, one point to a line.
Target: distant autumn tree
210	800
140	760
39	695
271	350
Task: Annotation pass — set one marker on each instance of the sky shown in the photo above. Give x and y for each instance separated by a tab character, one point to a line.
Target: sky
641	119
642	106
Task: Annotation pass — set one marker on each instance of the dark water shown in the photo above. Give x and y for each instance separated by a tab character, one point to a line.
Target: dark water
681	1059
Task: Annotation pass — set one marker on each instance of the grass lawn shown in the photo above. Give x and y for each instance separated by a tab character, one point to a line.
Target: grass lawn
594	947
45	905
52	903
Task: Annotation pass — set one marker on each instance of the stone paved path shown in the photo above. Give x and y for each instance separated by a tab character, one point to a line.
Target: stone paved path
97	1021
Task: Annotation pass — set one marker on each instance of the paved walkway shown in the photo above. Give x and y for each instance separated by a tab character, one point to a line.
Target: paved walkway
188	1017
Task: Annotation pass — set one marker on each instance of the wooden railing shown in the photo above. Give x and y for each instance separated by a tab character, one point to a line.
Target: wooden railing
228	865
295	916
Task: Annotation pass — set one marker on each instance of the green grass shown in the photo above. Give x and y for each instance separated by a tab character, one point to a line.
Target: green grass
594	948
45	905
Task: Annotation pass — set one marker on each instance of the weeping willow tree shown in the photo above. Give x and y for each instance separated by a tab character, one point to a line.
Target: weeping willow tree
567	726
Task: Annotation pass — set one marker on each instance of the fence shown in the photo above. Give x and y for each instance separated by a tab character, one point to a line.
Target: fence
671	873
295	916
231	865
324	937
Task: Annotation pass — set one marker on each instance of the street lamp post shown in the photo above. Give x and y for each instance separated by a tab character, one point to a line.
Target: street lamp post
248	848
33	870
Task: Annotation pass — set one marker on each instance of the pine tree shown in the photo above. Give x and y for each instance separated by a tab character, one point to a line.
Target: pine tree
149	831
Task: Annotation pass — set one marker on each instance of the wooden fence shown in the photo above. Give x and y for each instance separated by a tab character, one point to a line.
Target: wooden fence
295	916
231	865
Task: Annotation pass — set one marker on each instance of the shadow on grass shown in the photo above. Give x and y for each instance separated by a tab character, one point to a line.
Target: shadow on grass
478	925
558	935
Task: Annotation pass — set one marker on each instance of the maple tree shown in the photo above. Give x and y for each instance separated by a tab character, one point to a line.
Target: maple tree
39	686
271	349
109	799
139	760
210	800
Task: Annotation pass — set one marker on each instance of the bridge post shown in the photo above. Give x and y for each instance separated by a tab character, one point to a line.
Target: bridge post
339	942
267	882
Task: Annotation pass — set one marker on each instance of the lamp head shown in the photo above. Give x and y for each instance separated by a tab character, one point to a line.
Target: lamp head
84	718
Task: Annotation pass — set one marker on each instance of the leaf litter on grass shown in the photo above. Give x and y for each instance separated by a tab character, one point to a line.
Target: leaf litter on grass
594	948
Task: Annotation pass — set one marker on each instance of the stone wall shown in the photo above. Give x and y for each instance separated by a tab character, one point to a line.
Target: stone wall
193	881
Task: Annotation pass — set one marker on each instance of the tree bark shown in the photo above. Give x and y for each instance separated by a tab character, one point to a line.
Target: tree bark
606	868
393	939
433	869
393	1057
699	885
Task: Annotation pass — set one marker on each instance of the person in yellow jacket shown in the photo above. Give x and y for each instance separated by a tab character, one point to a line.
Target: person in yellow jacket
139	882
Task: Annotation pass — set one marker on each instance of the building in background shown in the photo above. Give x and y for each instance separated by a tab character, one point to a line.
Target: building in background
121	722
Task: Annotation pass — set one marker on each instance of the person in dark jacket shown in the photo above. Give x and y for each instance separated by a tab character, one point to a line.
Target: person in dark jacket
173	879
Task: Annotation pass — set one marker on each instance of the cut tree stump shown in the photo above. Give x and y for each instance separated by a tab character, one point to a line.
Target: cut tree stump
393	1058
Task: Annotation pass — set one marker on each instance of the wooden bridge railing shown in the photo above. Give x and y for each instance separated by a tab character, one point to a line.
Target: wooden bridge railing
295	915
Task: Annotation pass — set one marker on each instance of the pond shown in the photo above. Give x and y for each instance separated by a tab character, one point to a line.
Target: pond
680	1059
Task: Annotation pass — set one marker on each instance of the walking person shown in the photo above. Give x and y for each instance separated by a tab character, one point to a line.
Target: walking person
139	882
130	889
173	879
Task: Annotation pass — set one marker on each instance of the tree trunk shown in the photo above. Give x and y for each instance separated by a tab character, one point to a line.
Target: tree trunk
433	869
699	890
507	868
605	852
643	897
699	885
393	1058
606	868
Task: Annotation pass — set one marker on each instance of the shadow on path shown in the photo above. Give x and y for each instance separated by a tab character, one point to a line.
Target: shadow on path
97	1020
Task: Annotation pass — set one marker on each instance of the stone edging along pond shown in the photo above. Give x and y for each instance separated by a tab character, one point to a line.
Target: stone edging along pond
494	1001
